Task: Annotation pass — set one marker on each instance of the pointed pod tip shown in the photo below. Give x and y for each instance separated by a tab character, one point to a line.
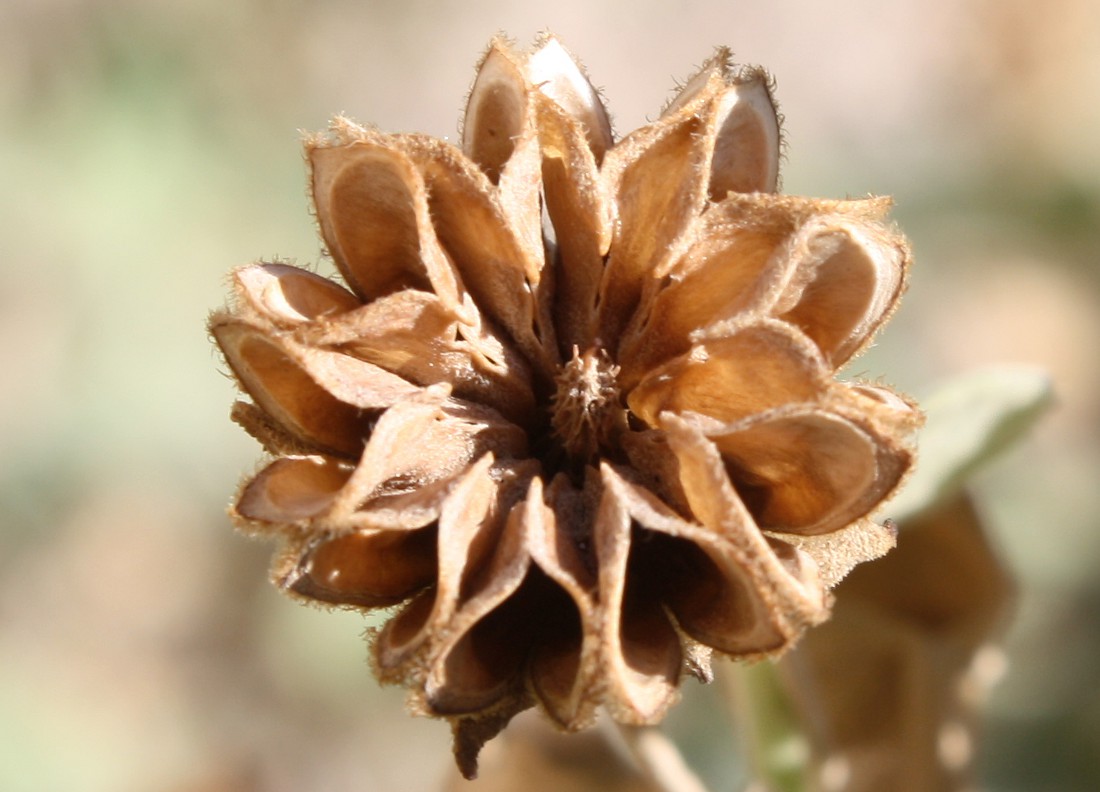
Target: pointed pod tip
471	733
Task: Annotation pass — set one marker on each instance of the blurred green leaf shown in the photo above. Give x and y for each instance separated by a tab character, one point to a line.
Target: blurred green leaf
970	420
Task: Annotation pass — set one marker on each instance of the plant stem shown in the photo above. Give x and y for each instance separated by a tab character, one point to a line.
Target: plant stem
660	759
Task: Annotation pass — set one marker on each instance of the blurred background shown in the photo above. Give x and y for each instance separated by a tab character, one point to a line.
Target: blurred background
150	146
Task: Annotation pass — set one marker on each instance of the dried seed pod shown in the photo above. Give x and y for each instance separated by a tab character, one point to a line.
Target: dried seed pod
888	691
582	453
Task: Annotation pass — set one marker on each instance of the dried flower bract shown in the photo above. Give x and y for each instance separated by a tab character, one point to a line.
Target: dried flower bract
575	413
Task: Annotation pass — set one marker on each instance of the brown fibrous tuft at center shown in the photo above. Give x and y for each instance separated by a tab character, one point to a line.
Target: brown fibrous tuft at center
585	410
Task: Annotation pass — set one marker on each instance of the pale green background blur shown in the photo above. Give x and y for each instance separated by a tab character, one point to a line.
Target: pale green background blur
147	147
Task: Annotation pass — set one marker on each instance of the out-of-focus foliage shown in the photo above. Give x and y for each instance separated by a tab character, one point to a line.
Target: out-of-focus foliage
968	421
149	147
